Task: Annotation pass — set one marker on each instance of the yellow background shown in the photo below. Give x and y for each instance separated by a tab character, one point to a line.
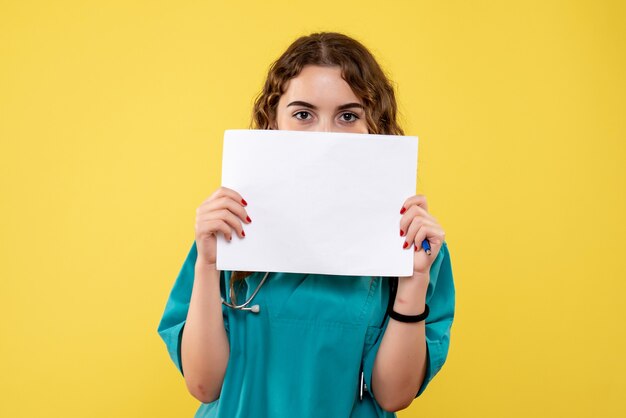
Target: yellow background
111	121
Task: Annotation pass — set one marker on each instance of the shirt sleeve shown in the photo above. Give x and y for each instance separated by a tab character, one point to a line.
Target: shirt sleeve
175	314
440	297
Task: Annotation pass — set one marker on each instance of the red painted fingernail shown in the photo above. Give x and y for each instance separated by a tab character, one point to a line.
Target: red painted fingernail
415	247
243	233
402	210
243	201
406	244
248	219
401	233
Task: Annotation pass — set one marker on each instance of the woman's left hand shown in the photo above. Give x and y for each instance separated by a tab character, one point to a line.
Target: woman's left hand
416	225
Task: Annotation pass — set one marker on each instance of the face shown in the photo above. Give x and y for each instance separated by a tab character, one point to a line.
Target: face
318	99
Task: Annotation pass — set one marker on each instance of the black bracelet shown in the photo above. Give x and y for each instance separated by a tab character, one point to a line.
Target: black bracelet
393	288
409	318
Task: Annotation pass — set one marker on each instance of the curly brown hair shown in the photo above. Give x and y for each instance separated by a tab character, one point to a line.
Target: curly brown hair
359	69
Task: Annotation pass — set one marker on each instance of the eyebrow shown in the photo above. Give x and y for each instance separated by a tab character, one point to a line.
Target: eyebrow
309	105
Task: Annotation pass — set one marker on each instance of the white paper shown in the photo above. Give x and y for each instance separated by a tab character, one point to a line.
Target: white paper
320	203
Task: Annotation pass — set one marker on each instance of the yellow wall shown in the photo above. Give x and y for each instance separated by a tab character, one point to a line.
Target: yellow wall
111	122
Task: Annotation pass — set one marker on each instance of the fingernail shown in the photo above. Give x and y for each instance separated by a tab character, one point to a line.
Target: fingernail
248	219
243	201
415	247
406	244
243	233
402	210
401	233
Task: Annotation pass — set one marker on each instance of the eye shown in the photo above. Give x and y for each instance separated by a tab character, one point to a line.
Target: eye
351	117
303	115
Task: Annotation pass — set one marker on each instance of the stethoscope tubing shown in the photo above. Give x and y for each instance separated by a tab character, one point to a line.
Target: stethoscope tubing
244	305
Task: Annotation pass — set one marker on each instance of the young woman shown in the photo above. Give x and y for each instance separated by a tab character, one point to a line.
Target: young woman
321	345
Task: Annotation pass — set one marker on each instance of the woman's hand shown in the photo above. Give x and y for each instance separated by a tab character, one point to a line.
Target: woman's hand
416	225
222	212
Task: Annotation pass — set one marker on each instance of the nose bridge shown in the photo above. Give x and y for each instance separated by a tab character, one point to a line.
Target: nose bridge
327	124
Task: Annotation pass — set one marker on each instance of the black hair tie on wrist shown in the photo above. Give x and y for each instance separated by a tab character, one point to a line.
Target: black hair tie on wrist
409	318
398	316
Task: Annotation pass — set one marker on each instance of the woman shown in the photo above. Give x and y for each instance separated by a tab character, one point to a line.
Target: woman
322	345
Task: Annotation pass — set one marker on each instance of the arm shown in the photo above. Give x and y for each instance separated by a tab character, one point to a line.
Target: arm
410	354
401	362
407	360
204	347
194	325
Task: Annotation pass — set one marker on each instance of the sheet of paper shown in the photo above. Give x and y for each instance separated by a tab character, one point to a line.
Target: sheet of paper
320	203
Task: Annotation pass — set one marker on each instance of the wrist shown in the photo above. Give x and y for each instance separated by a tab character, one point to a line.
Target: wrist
409	307
410	297
417	283
201	264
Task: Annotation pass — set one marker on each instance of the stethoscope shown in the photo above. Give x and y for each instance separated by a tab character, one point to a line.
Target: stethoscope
243	306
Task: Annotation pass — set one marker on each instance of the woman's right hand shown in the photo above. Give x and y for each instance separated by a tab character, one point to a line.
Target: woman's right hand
222	212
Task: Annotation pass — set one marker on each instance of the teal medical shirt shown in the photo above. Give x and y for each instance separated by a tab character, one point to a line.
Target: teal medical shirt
303	353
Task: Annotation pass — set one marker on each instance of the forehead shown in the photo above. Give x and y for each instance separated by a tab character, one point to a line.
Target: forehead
320	84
